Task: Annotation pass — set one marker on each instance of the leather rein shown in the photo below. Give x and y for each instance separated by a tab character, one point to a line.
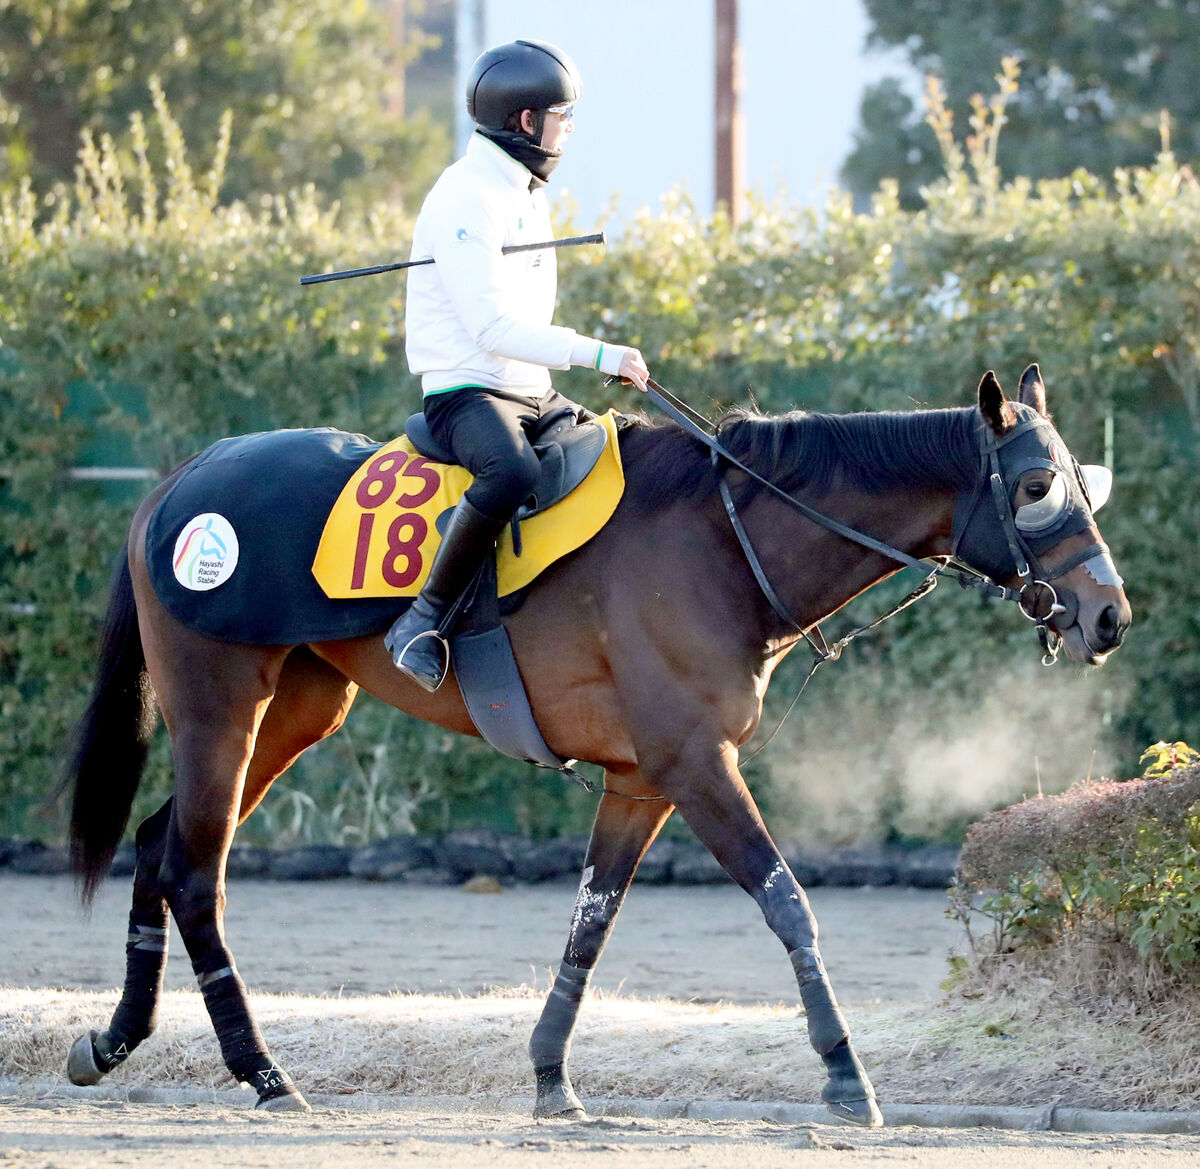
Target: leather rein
991	481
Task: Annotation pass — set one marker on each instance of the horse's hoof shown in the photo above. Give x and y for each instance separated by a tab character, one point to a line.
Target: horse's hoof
540	1112
863	1112
285	1102
556	1100
82	1068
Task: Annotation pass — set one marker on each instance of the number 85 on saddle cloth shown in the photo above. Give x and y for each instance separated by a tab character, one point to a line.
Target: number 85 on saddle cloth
382	533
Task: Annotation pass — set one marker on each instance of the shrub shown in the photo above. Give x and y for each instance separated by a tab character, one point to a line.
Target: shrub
1110	862
137	326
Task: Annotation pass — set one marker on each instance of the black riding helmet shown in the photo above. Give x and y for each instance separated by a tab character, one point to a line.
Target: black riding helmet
523	75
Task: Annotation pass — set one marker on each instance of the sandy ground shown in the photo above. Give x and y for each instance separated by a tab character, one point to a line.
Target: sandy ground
701	944
53	1135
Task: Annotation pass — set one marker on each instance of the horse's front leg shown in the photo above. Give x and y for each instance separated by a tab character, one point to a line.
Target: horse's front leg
623	829
712	797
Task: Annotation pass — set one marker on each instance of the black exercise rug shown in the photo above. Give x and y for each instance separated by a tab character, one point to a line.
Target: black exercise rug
230	547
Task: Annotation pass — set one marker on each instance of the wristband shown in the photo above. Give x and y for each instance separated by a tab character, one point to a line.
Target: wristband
599	355
609	359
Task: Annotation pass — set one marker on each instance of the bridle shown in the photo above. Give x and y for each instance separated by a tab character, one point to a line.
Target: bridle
1037	597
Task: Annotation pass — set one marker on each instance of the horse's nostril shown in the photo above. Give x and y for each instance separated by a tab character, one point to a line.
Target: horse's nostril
1110	626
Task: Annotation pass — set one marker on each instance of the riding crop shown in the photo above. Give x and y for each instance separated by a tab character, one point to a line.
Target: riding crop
571	242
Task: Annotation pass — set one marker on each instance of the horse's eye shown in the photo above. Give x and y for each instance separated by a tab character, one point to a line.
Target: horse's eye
1037	489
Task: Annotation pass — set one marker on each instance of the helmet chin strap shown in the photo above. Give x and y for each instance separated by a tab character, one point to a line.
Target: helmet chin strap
539	128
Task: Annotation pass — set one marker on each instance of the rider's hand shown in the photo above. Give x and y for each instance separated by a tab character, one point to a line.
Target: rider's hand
633	369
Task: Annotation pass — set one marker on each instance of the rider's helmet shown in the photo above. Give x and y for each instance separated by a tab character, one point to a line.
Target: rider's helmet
523	75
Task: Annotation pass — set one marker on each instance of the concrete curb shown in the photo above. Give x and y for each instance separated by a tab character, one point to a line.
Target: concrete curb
1049	1119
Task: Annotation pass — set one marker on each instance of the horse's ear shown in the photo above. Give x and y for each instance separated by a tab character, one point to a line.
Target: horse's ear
1033	390
993	405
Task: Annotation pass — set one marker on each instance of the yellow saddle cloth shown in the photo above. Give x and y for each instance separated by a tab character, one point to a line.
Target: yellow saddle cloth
381	536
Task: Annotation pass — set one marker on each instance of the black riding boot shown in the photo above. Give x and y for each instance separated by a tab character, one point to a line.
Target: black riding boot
417	647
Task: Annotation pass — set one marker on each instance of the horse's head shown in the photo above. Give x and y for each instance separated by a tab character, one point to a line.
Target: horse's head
1029	523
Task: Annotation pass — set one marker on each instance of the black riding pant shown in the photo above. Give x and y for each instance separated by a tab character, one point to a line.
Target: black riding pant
486	430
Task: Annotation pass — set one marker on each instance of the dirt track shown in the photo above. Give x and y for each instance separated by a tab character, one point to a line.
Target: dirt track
703	943
80	1136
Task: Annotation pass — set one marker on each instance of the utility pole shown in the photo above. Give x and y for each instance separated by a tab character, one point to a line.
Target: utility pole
730	154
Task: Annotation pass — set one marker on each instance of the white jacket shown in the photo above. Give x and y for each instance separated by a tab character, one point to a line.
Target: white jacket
477	317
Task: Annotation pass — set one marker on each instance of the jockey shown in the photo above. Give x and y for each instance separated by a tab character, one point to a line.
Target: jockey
478	322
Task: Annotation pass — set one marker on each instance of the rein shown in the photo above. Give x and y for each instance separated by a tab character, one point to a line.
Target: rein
966	576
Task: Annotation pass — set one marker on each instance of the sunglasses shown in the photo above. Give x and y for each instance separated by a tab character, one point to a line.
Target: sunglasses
566	112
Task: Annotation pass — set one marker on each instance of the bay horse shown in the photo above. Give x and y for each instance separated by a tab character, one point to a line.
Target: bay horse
648	652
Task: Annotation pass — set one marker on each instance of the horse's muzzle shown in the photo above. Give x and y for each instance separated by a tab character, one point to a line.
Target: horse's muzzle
1091	638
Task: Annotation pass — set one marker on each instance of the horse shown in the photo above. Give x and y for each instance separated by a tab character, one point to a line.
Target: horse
648	652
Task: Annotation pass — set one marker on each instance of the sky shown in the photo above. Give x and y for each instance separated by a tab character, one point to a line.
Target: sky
645	122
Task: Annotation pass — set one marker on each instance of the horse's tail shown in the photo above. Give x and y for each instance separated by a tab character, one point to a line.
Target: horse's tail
111	740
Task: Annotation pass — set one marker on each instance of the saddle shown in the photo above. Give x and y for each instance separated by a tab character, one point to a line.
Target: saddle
568	443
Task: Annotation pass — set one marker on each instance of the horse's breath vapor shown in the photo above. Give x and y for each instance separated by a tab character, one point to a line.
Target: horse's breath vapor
922	764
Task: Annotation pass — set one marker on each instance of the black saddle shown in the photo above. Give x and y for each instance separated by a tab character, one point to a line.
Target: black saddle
568	443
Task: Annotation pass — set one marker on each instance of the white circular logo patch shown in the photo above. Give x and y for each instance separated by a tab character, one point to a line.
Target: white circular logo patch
206	552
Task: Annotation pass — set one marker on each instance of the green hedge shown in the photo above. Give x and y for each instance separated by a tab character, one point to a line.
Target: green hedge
138	325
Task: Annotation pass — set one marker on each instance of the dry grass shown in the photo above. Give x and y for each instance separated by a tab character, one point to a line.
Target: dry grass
1091	819
1010	1037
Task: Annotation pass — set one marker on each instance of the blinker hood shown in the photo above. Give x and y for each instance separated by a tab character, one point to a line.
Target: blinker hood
1032	443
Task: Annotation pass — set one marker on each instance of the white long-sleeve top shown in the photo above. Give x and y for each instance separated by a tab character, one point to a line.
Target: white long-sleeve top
477	317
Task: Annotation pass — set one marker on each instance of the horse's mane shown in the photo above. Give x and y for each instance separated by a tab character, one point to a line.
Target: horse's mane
871	452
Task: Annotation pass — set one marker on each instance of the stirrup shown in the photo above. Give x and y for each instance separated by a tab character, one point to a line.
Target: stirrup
422	679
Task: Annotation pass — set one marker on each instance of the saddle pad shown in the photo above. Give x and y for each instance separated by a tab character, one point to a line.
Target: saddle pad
229	547
383	531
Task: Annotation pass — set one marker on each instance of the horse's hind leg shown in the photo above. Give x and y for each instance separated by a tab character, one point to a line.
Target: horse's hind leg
214	704
622	832
716	803
94	1055
311	701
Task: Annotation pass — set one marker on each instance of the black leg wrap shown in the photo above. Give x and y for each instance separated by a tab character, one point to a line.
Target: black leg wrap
550	1044
242	1045
137	1013
848	1091
826	1026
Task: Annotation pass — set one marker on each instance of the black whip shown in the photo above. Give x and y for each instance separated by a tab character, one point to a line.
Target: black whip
571	242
